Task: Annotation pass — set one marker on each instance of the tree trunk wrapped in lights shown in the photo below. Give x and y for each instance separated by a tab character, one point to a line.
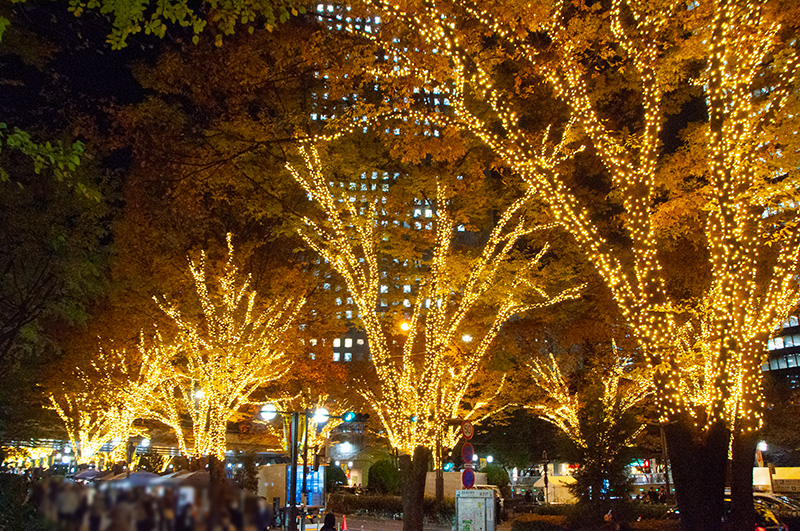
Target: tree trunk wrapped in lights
423	366
599	420
219	359
707	348
102	401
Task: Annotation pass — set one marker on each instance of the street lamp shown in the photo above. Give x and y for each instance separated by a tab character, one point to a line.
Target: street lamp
320	416
268	412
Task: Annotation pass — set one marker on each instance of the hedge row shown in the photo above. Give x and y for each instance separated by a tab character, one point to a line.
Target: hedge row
560	523
387	506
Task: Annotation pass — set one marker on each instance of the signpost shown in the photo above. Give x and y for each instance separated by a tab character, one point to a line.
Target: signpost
475	509
467	429
467	453
468	478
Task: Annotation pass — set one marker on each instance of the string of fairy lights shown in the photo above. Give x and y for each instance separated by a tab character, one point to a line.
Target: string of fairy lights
714	375
103	401
623	390
706	362
422	388
206	371
221	359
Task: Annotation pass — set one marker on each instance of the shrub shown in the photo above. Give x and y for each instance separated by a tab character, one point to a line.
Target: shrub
539	523
16	512
560	523
380	505
387	506
383	477
497	475
443	512
334	476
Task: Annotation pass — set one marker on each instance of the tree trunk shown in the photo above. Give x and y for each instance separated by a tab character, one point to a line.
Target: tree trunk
218	481
742	511
699	462
413	472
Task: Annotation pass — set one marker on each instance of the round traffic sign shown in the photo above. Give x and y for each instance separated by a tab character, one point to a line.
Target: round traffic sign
467	451
468	478
467	429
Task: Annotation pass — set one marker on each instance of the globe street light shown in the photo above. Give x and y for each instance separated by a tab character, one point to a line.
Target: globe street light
321	416
268	412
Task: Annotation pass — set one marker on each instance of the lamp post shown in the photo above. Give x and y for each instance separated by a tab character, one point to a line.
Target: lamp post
320	416
546	495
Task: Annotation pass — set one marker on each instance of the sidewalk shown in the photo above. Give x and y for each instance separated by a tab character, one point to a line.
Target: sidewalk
371	524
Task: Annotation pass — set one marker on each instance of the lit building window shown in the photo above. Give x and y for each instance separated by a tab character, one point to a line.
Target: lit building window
348	356
337	342
335	356
348	342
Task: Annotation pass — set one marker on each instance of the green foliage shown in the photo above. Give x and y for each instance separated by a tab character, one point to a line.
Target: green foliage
52	261
4	23
387	506
62	160
381	505
15	511
153	18
334	476
384	477
497	475
538	523
602	475
552	522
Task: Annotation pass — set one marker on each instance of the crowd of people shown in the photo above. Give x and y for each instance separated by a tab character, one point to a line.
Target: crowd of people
653	496
73	506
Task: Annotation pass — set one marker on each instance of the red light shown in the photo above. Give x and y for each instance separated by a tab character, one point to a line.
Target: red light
759	528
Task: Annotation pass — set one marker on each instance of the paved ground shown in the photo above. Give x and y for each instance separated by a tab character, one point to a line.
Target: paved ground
365	524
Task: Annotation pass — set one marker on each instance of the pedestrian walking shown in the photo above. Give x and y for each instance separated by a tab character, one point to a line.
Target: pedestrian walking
329	524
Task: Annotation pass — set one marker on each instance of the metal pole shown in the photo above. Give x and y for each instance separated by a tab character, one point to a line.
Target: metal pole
292	524
546	494
305	471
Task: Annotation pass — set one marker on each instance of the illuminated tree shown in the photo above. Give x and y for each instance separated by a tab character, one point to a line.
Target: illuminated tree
101	402
598	416
219	359
426	354
617	72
